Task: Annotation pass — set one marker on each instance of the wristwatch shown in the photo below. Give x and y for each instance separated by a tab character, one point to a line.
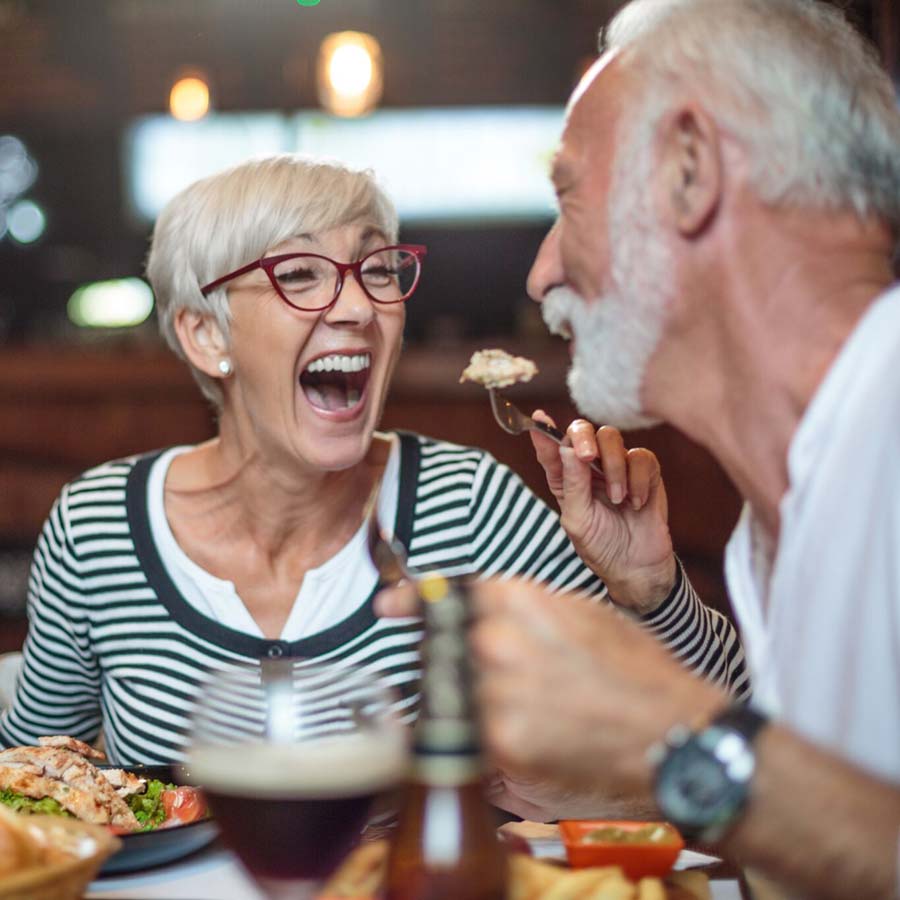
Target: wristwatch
703	776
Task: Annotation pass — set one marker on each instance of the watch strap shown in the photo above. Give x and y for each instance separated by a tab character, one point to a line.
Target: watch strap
743	719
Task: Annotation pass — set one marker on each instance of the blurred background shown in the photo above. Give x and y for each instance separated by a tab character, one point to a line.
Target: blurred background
108	107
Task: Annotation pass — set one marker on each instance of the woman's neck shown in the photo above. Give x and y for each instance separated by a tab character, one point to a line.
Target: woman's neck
221	493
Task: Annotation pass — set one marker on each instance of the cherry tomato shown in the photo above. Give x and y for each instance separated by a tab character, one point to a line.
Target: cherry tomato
183	805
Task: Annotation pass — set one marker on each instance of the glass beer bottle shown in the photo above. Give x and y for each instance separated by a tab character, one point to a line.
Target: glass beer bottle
446	845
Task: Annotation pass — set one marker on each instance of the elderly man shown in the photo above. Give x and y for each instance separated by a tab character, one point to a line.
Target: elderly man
729	196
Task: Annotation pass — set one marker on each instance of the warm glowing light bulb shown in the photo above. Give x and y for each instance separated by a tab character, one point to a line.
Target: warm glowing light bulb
350	70
349	73
189	99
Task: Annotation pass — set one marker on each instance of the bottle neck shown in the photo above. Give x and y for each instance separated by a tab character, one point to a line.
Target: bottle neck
447	749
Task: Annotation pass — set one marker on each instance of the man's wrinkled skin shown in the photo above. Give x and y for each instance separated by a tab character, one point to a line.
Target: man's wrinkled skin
759	300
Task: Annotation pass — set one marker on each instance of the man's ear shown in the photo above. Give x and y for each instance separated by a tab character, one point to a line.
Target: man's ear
692	169
202	340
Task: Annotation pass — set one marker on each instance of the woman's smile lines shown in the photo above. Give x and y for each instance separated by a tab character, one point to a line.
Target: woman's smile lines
339	362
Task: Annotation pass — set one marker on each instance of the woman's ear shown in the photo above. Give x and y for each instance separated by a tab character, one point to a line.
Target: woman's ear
692	169
202	341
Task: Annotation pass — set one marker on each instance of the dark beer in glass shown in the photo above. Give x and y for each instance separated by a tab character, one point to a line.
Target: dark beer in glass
291	765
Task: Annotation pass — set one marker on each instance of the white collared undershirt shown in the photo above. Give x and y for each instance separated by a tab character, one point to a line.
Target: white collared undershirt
328	593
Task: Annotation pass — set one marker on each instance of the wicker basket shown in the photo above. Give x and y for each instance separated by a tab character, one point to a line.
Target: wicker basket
73	850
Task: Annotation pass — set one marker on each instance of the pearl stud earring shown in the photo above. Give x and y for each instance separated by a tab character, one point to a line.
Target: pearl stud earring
225	366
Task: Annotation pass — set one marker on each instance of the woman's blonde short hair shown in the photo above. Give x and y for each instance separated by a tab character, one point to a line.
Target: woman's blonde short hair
234	217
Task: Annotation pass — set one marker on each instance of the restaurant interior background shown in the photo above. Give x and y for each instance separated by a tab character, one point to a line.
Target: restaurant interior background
470	108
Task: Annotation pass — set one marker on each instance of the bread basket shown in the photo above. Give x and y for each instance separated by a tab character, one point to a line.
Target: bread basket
61	856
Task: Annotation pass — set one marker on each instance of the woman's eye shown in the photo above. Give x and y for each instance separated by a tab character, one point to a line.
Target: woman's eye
379	274
297	276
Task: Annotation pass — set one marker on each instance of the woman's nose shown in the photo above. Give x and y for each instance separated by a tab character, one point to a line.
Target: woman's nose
546	270
353	304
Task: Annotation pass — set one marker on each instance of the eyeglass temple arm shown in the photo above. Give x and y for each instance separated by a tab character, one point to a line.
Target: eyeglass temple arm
220	281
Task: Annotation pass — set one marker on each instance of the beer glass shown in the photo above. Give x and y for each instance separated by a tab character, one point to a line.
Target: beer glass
292	756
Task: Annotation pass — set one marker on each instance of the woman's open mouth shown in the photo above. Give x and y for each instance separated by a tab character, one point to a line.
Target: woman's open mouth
336	382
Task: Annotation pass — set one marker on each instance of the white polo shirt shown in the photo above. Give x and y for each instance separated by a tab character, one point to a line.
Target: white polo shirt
821	622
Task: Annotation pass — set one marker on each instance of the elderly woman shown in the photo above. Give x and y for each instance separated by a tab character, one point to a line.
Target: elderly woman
282	285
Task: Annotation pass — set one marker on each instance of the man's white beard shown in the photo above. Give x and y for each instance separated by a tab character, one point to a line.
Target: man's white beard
617	333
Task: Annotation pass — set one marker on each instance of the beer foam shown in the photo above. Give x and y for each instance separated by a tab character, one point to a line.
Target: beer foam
337	766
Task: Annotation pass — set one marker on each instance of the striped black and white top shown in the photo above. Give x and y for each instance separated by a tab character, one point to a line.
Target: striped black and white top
113	644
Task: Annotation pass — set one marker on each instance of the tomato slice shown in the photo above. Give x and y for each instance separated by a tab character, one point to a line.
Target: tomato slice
182	805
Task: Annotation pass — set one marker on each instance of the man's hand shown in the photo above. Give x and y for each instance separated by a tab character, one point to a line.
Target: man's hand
545	800
628	546
573	694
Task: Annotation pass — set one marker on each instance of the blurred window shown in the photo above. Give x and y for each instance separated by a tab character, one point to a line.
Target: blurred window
439	165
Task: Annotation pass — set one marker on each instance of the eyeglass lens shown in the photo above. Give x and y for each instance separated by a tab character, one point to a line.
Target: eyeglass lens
387	276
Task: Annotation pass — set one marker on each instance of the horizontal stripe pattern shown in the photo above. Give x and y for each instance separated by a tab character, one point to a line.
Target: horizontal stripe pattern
104	648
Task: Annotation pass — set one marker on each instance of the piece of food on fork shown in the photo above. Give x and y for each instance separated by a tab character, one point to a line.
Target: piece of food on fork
498	369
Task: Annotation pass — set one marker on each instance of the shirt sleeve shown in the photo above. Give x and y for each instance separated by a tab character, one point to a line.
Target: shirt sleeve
58	688
699	637
514	533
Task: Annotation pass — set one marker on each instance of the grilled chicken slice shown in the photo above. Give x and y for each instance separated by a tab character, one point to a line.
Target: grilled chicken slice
67	777
125	783
73	744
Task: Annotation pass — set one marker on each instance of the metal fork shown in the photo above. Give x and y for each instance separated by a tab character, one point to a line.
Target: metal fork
512	420
387	553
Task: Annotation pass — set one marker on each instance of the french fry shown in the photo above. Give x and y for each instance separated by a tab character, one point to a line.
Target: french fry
362	873
529	879
651	889
694	883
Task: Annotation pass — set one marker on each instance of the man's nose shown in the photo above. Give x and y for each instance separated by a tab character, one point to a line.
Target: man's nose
546	270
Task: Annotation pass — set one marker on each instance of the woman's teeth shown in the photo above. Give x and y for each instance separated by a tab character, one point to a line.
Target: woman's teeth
337	381
340	363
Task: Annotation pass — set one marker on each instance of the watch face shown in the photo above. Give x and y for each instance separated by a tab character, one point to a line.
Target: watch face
694	790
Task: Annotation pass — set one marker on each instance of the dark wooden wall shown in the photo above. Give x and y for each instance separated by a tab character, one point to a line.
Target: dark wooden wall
62	411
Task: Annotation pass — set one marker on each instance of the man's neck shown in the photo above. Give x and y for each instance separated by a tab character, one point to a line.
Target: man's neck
740	381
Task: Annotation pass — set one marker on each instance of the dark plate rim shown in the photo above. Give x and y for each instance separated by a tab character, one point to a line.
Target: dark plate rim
147	850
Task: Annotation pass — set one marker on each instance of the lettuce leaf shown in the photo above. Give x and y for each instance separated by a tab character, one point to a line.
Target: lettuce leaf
148	807
21	803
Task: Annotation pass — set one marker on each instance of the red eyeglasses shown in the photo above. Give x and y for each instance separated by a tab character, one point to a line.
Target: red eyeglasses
312	282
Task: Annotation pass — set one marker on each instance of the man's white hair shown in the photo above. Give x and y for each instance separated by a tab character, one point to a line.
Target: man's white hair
223	222
791	80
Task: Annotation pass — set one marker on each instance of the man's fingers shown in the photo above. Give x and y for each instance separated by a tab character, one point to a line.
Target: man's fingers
547	452
643	476
614	462
577	491
581	433
398	601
